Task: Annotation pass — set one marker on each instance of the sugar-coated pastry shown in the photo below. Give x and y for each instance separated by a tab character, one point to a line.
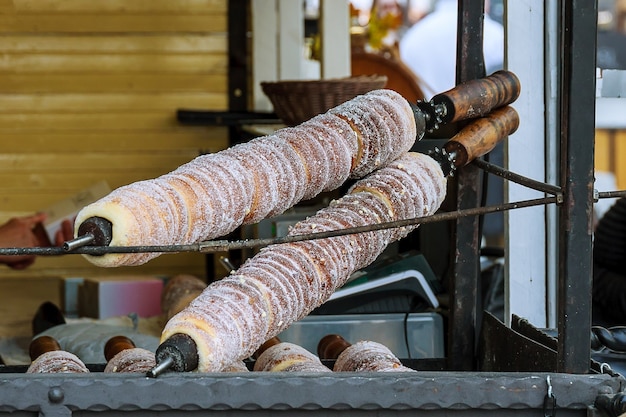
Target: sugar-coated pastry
288	357
283	283
133	360
238	366
214	194
57	361
369	356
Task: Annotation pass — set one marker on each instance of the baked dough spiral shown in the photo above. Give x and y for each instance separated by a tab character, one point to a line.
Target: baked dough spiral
57	361
284	283
214	194
369	356
288	357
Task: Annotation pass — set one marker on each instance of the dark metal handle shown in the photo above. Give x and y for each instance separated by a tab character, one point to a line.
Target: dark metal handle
41	345
115	345
331	346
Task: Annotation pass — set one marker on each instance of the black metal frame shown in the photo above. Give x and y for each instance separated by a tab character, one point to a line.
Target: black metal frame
464	315
577	103
578	72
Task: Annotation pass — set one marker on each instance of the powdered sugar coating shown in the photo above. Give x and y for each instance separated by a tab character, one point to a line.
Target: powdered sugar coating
283	272
330	133
238	366
234	316
236	183
201	207
368	356
343	133
134	360
385	124
291	172
288	357
264	180
282	294
413	185
313	156
57	361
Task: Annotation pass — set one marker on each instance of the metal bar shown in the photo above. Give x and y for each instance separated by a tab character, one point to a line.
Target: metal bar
465	274
517	178
579	19
83	240
611	194
223	245
238	87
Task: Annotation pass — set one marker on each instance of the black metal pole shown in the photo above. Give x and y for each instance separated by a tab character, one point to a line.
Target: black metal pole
578	37
237	55
237	85
463	328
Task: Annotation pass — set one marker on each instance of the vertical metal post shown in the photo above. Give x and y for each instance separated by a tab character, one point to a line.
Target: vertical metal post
237	55
463	326
579	23
237	85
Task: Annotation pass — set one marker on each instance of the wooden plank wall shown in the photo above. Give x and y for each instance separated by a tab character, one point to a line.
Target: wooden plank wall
89	91
610	154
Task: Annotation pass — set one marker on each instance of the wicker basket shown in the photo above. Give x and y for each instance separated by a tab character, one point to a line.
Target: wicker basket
297	101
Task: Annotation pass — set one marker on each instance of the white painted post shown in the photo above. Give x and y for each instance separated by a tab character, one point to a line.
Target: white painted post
335	37
264	50
278	43
291	39
525	229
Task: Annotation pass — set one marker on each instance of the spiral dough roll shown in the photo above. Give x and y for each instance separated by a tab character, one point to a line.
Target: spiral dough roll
369	356
133	360
288	357
214	194
284	283
57	361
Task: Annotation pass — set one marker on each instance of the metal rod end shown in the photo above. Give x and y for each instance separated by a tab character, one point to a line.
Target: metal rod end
160	367
80	241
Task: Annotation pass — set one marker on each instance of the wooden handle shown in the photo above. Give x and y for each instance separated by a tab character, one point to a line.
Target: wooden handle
476	98
331	346
482	135
266	345
115	345
42	345
179	291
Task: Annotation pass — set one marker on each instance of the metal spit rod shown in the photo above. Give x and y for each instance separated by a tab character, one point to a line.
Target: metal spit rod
225	245
537	185
517	178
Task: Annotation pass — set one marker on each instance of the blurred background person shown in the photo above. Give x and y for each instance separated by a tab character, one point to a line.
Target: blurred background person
429	47
21	232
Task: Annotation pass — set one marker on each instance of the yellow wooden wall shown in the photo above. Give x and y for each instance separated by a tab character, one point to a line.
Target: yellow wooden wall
610	154
89	91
